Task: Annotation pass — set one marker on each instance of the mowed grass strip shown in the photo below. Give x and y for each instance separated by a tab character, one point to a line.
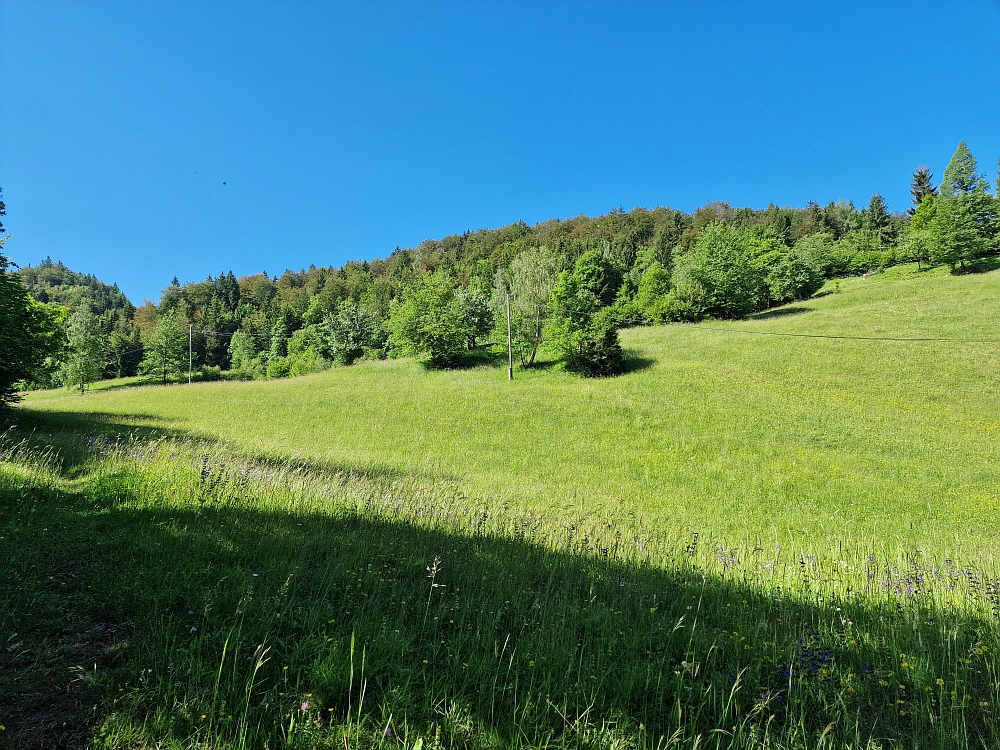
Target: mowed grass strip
747	436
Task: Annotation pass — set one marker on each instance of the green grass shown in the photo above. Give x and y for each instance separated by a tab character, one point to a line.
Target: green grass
744	435
188	566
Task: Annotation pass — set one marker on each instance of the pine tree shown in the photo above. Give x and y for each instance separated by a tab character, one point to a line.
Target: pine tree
921	186
86	356
962	177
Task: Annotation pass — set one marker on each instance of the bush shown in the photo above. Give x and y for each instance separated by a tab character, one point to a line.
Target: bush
794	276
684	304
306	362
208	373
278	367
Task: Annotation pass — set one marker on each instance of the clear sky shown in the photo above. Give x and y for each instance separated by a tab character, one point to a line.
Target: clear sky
139	140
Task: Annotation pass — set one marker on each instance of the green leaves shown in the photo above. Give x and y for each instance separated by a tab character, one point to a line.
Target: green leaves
86	351
166	348
582	329
723	262
961	177
29	332
431	322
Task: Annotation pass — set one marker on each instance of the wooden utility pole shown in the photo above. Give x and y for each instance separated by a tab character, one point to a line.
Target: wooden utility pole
510	346
190	351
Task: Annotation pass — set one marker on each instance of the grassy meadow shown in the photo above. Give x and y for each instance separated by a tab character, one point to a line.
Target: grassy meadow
748	541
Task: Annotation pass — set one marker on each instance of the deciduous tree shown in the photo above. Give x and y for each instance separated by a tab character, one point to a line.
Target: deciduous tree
529	280
430	321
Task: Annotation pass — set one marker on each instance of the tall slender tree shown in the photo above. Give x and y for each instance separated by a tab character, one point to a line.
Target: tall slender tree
86	353
875	218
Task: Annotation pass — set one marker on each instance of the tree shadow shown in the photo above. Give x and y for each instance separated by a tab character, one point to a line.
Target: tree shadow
980	265
164	610
633	361
778	312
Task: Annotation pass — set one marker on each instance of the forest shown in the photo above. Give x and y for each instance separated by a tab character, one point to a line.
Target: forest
570	284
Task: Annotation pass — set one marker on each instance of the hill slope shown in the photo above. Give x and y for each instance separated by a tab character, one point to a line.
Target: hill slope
54	282
747	436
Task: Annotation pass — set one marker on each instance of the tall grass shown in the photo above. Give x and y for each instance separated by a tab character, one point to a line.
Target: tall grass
227	601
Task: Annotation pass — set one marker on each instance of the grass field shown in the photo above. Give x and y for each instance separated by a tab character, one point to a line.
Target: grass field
748	540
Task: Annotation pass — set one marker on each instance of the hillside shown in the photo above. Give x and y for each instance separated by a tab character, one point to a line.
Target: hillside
734	433
54	282
765	533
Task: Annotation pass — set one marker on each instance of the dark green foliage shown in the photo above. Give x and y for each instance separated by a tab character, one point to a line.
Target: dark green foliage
123	351
29	332
53	282
875	219
599	276
654	285
962	177
796	275
724	264
166	348
921	186
476	312
962	223
585	336
242	350
85	353
638	266
345	334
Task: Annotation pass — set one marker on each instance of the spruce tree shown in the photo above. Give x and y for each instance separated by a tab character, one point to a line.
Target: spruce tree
921	186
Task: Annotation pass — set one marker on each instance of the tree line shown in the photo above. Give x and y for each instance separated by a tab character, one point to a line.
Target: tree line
571	285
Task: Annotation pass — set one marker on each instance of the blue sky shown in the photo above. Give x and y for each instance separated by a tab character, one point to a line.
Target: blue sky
343	130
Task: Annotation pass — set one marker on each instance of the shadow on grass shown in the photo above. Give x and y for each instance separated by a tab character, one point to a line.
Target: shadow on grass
175	617
79	438
633	361
982	265
779	312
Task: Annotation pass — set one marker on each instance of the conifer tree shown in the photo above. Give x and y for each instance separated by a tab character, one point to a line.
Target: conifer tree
961	177
921	186
166	347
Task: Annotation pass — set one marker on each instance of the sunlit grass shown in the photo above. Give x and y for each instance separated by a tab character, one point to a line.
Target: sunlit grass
750	436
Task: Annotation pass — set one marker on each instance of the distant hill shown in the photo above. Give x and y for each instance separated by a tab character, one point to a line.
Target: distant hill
54	282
